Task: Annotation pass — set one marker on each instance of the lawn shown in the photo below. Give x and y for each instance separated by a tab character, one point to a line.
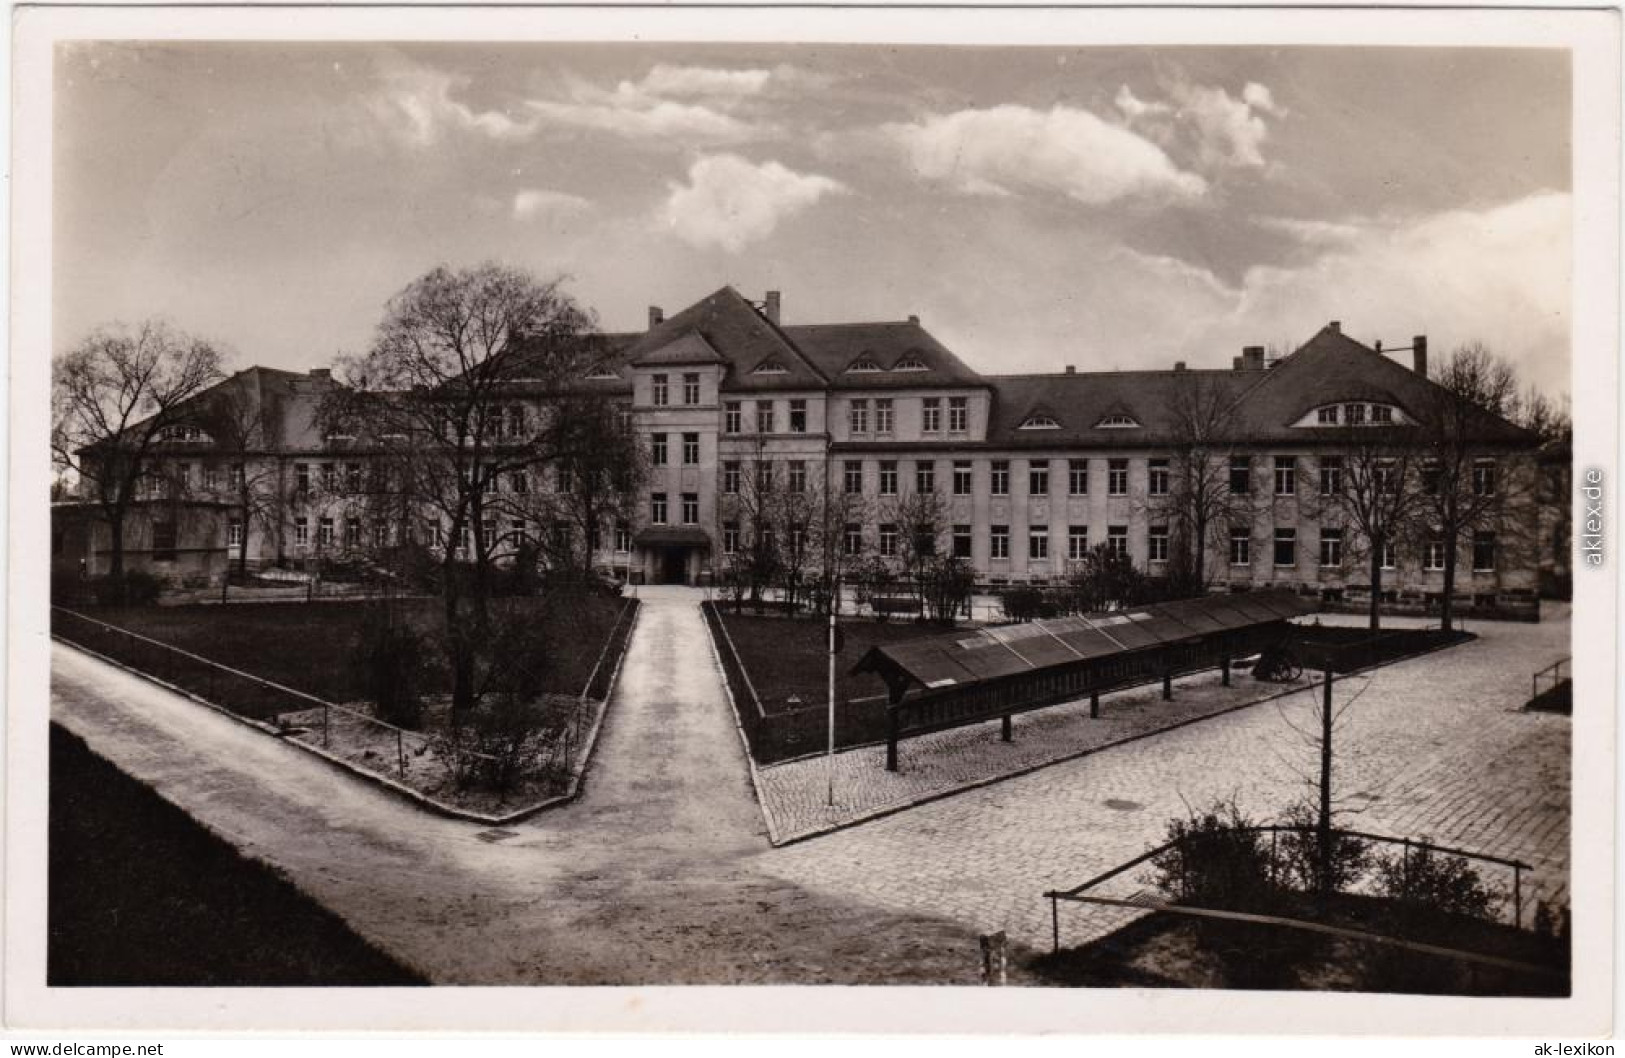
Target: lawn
312	647
788	656
140	894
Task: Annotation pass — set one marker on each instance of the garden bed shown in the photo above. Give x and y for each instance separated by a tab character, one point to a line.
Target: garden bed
140	894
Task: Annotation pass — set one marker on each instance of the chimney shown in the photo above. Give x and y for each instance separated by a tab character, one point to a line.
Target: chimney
1252	358
1071	369
1336	326
1179	365
1419	354
771	309
915	320
657	316
1235	363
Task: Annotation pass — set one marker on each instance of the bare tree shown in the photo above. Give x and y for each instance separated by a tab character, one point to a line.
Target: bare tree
1373	488
921	520
463	384
112	399
236	421
1467	485
1197	503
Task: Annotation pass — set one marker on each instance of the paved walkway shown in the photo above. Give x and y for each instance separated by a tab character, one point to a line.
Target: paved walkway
1434	746
653	877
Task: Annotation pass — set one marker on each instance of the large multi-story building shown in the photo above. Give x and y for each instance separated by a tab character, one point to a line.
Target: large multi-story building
1032	470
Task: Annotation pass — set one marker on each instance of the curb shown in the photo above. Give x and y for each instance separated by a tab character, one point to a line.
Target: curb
977	784
773	839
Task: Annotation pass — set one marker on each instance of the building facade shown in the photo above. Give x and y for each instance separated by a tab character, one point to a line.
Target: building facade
1029	472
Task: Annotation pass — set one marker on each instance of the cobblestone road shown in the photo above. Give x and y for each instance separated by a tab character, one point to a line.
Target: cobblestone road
1437	746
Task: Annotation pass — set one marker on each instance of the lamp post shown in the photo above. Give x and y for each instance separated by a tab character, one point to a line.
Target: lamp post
834	605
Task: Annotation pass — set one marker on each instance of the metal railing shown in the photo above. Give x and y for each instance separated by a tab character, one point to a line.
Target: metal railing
1556	673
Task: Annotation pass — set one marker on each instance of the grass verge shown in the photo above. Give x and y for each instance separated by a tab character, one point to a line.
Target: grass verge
138	893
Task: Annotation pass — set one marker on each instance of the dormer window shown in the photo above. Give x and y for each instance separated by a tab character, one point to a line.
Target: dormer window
770	367
1327	416
602	372
863	365
911	363
181	433
1040	422
1353	413
1117	422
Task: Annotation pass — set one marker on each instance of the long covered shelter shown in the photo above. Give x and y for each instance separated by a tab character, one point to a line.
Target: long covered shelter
969	676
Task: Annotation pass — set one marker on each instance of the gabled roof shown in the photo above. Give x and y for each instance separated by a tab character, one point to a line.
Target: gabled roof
741	337
1149	397
689	347
1332	367
833	347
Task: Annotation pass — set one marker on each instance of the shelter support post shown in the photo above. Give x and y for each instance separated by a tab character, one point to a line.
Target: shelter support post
1005	734
1167	685
1094	705
891	740
1224	669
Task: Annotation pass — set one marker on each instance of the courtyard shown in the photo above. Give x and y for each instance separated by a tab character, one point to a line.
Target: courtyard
662	871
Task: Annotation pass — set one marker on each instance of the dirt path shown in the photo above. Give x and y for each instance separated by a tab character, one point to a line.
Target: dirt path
654	877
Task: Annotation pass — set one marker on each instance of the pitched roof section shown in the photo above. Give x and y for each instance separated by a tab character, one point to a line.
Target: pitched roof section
688	348
1079	401
1333	367
835	347
742	338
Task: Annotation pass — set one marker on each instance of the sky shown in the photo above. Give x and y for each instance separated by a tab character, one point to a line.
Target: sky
1108	208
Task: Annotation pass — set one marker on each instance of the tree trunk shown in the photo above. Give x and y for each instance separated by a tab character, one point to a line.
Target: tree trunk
115	558
1376	585
1446	614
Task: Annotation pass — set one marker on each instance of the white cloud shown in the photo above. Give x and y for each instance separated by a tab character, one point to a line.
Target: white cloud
655	119
730	202
665	80
1313	232
1258	97
1217	129
1133	106
1064	150
538	203
417	103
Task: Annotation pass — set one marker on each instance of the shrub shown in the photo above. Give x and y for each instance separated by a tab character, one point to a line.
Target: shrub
505	740
395	657
1421	879
1217	860
1299	854
1028	604
135	588
946	585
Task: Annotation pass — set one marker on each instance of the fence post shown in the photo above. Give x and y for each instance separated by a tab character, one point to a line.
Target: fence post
400	751
1517	897
326	723
1405	869
994	959
1055	924
1005	733
1224	670
1094	705
1167	684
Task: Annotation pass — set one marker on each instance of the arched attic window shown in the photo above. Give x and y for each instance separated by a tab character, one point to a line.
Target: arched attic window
1117	421
1354	413
769	367
1039	421
911	362
602	372
863	365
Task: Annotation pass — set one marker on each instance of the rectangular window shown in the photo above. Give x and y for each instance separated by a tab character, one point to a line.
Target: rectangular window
163	541
888	477
764	477
691	450
301	531
958	414
691	508
1000	482
931	414
1433	553
657	449
858	416
1327	416
851	477
380	535
236	476
1241	475
352	477
1331	475
888	540
1331	547
301	478
797	475
730	477
211	478
1432	475
798	416
925	477
352	532
1077	542
657	389
623	538
519	482
1354	414
657	508
1286	475
1388	555
731	417
1286	547
520	531
1385	476
1382	413
998	542
1483	477
1241	546
1117	477
730	538
851	539
691	388
488	534
962	544
883	415
1157	478
234	533
1038	542
1077	477
764	416
962	477
1483	552
183	475
1117	540
925	543
1156	543
564	478
324	532
1038	479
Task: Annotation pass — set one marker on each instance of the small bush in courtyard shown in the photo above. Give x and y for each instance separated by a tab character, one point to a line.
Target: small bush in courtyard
506	740
1427	881
1299	852
1217	860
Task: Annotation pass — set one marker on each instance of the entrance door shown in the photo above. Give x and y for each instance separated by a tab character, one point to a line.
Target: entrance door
674	565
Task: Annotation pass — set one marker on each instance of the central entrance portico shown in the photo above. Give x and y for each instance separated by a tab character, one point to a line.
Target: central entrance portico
672	554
